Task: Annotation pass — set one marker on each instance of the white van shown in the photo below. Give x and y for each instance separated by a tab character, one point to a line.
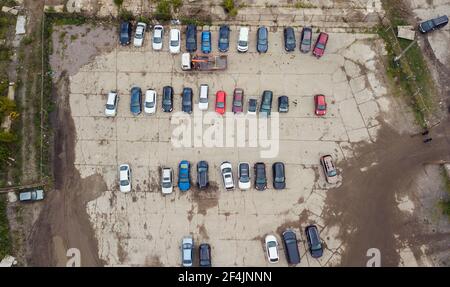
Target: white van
242	45
203	98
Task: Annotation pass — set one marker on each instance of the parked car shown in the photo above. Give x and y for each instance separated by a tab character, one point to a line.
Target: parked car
158	32
272	248
279	175
184	177
262	39
227	175
136	101
243	40
191	38
206	42
291	247
187	251
289	39
328	168
221	97
252	106
433	24
111	104
314	242
283	104
187	100
260	176
202	174
203	98
238	101
166	180
167	99
139	35
125	33
150	102
174	41
224	38
266	103
31	195
320	105
244	176
204	253
124	178
321	44
306	40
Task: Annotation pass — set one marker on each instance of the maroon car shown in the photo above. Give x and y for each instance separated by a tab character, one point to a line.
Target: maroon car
321	43
238	101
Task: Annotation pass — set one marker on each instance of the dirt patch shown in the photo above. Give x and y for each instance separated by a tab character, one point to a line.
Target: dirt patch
205	199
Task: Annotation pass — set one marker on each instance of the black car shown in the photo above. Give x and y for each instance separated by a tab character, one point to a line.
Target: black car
125	33
433	24
260	176
262	40
191	38
289	39
291	247
167	99
202	174
306	40
266	103
279	175
283	104
252	106
204	251
314	242
224	38
187	100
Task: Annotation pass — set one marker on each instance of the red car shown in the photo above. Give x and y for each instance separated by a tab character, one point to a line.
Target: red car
238	101
221	102
321	105
321	43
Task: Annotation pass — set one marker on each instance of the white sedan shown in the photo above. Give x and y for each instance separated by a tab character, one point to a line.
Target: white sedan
158	32
227	175
139	34
150	102
125	178
111	104
272	248
175	41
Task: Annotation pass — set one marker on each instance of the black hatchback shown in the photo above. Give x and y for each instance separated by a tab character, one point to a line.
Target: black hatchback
167	99
202	174
314	242
283	104
291	247
262	40
125	33
224	38
204	251
260	176
191	38
187	100
289	39
279	175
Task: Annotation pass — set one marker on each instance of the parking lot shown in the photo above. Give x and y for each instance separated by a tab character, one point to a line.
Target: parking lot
144	227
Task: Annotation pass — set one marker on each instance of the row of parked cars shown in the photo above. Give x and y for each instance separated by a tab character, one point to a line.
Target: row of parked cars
223	43
226	170
290	242
150	102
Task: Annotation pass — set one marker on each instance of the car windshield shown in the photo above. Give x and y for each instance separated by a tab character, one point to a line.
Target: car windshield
110	107
191	40
157	40
243	43
203	100
124	182
317	246
166	183
279	179
167	102
220	105
184	178
149	104
202	169
238	103
320	46
227	170
223	40
174	43
139	34
332	173
261	179
321	107
306	41
271	244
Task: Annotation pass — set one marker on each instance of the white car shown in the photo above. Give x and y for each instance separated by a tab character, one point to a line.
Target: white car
166	180
272	248
139	35
244	181
242	45
111	104
227	174
150	102
157	42
203	98
174	41
125	178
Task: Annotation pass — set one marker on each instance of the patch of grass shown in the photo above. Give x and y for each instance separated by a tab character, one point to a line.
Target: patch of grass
304	5
73	19
27	40
204	21
163	11
445	203
230	7
5	239
5	53
176	4
118	3
73	37
126	15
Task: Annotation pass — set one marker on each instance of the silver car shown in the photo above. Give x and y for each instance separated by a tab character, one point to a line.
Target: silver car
328	168
227	174
187	251
166	180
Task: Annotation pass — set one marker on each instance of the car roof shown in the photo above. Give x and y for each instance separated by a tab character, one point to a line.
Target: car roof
111	97
174	32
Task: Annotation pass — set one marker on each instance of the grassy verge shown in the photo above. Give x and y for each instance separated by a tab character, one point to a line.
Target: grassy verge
444	204
410	79
5	239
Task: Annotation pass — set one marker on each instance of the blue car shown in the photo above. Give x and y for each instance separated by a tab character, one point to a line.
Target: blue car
262	40
136	101
224	38
184	179
206	42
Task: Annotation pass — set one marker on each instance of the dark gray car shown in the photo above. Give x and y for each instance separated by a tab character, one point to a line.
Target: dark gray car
291	247
279	175
260	176
314	242
266	103
262	40
191	38
283	104
187	100
306	40
289	39
202	174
